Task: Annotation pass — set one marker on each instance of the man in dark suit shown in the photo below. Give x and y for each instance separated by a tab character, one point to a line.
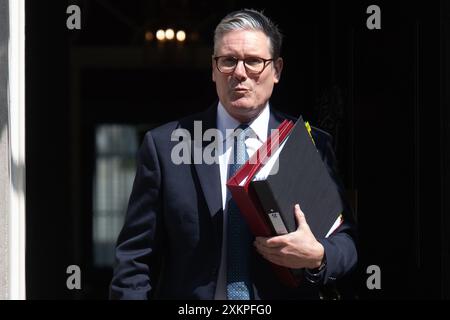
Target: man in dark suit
182	231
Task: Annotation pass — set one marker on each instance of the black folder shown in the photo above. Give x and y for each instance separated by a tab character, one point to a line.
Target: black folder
300	177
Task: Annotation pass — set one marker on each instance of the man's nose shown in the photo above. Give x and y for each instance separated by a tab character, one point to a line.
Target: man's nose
240	72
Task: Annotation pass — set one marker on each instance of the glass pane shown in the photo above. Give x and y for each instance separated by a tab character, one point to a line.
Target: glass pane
116	147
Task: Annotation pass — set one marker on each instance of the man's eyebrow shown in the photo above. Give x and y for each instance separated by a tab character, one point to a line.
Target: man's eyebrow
245	56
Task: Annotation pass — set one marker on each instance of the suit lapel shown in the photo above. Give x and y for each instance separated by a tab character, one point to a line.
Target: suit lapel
208	174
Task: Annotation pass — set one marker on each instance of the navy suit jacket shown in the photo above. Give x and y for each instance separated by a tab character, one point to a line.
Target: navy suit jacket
170	244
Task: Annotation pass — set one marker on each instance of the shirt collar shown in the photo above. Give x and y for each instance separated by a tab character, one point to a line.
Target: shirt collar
260	125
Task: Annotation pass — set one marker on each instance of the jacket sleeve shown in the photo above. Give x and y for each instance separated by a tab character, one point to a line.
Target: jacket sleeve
340	247
139	241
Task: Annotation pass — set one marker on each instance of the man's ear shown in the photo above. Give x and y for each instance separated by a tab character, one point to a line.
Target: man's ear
212	69
278	65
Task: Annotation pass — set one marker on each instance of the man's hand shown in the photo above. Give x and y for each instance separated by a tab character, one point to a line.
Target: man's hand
298	249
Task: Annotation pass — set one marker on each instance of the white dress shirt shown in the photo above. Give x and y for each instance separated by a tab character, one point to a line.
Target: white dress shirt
226	124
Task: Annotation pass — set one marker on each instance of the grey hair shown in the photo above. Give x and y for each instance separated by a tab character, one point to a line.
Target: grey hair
249	19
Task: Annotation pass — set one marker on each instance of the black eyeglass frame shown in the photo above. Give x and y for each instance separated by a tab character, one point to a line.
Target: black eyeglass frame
245	65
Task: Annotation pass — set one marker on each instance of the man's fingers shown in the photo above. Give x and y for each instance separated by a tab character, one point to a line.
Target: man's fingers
275	257
267	250
273	242
271	254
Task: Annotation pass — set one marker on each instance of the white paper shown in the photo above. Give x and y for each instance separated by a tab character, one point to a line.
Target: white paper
266	170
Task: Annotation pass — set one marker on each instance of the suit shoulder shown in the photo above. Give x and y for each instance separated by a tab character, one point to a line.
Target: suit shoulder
321	135
318	134
160	133
164	131
280	116
164	128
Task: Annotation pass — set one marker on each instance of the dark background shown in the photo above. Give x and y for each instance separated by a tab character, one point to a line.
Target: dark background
381	93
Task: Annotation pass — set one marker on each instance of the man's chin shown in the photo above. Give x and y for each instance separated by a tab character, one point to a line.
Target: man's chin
244	111
242	105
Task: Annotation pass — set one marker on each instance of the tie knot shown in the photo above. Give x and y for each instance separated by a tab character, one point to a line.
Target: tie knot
243	126
244	131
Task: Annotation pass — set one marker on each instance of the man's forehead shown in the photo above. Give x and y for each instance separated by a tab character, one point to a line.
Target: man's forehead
250	41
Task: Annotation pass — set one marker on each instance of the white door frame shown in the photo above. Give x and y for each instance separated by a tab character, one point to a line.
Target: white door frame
16	125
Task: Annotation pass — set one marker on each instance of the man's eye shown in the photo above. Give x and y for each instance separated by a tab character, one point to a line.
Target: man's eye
229	61
253	62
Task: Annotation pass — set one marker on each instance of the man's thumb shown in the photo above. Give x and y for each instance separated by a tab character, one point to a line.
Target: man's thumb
300	216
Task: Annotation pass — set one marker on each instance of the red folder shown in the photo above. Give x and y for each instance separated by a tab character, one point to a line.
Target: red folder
248	202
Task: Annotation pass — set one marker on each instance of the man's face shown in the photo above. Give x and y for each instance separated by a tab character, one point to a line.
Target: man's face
244	95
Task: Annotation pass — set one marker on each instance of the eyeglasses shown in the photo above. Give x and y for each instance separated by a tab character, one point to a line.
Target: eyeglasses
253	65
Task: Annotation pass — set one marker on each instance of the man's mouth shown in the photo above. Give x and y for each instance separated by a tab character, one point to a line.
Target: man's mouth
240	89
